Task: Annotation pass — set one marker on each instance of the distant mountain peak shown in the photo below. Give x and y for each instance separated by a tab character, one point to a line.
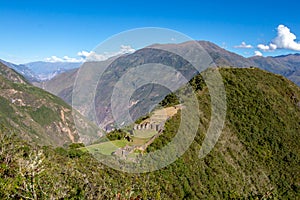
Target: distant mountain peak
40	70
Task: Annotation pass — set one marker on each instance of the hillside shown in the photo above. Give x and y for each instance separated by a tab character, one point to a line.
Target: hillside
36	115
21	69
256	157
61	85
11	75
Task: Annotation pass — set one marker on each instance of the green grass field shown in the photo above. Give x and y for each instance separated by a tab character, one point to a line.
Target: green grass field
144	133
106	148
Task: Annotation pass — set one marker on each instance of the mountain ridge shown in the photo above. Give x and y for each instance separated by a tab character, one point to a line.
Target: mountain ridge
62	84
287	65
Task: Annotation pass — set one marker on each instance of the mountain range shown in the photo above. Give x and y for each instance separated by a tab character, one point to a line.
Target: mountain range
62	84
256	157
287	65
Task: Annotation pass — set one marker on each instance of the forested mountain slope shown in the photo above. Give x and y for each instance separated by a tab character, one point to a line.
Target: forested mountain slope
256	157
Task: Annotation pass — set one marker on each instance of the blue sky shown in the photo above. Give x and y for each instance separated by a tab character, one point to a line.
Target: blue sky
36	30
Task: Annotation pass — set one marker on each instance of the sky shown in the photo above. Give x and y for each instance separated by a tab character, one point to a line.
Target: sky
69	30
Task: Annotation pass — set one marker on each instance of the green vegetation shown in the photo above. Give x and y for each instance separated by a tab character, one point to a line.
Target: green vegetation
170	100
263	125
35	115
106	148
6	109
256	157
144	133
116	135
44	115
11	74
32	113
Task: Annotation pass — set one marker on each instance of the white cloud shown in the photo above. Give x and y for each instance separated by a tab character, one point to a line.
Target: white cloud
64	59
91	56
94	56
284	40
68	59
244	46
126	49
270	47
53	59
273	46
258	53
84	53
263	47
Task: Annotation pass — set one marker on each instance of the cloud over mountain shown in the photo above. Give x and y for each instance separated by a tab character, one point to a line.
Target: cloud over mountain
63	59
92	55
263	47
258	53
243	45
95	56
285	39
